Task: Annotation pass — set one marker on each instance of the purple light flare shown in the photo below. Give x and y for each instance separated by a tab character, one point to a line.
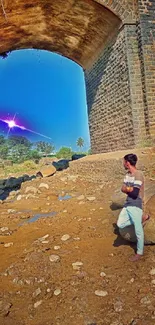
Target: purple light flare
12	124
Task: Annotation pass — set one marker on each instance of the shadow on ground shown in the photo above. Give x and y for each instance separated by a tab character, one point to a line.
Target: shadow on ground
119	241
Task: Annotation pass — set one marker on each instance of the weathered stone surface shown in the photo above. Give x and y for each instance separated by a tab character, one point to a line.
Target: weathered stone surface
31	189
47	171
77	30
149	231
44	185
147	52
120	87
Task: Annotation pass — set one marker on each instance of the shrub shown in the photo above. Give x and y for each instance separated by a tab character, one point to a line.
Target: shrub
29	164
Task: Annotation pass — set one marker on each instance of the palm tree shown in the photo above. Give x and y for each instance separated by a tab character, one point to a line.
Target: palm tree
80	143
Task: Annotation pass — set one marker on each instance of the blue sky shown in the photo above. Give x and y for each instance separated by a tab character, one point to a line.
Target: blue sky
47	91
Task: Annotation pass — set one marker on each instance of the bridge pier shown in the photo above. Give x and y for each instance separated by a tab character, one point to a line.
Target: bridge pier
120	87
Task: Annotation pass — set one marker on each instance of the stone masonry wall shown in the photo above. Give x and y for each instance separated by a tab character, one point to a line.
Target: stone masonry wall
125	9
121	86
108	99
135	83
147	34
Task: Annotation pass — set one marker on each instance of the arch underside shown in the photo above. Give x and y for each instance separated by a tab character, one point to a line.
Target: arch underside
78	30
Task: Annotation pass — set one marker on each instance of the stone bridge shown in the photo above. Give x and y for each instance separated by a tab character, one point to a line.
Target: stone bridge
114	42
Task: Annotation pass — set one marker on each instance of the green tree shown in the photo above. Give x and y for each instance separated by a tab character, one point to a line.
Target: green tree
14	140
65	153
80	143
45	147
3	151
89	152
19	153
2	140
34	154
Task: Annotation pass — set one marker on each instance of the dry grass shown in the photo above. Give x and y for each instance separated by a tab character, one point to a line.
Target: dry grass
19	169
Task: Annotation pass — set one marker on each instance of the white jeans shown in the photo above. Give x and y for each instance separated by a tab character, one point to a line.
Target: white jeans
133	216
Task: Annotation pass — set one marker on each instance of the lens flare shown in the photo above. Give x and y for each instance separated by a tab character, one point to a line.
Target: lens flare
12	124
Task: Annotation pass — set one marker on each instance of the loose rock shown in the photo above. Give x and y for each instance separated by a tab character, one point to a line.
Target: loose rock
19	197
152	272
37	304
101	293
37	292
8	245
81	197
44	185
31	189
102	274
11	211
91	198
57	247
3	229
118	306
57	292
54	258
77	265
43	238
145	301
5	308
65	237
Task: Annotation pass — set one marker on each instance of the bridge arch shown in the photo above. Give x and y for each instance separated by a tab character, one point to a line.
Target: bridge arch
113	40
78	30
126	10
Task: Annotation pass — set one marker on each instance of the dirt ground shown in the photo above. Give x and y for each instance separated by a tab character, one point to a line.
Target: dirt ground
104	287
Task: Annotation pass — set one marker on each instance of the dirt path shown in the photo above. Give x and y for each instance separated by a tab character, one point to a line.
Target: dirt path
103	289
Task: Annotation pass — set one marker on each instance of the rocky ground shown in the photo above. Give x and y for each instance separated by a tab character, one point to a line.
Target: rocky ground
62	261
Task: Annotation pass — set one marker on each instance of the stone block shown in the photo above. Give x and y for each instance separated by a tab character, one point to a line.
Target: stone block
47	171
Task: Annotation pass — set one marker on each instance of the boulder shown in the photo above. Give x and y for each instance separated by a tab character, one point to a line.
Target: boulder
47	171
78	156
2	183
128	233
117	202
25	177
31	177
13	182
1	192
61	164
149	191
